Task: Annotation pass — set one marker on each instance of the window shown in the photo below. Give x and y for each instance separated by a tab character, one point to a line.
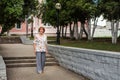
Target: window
18	25
47	25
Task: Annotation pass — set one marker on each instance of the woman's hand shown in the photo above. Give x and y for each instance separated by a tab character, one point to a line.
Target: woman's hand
46	51
34	52
34	46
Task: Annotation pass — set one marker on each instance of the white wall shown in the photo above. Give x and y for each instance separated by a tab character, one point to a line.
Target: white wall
95	64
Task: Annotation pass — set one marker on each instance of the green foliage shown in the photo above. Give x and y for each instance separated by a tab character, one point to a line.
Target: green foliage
72	11
10	9
10	13
13	11
79	10
111	9
30	7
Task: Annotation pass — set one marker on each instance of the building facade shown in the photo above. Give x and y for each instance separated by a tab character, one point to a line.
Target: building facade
24	28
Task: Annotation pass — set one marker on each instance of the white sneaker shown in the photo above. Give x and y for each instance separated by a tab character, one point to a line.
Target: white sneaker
39	72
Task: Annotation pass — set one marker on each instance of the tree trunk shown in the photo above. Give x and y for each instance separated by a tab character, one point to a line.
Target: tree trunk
89	30
81	31
85	30
60	28
65	31
94	26
8	33
114	31
76	30
62	31
71	31
32	28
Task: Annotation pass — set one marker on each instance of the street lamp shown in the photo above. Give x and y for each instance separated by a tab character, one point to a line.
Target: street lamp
32	26
26	20
58	7
95	1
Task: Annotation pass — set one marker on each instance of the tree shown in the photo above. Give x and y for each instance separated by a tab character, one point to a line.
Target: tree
10	13
74	11
13	11
111	12
30	9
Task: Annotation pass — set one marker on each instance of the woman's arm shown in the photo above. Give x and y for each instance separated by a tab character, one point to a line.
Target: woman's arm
34	46
46	48
46	44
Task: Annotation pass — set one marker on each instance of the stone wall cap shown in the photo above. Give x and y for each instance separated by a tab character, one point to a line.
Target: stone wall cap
91	51
2	64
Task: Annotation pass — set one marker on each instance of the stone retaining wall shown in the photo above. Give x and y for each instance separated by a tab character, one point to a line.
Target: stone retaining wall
3	75
95	64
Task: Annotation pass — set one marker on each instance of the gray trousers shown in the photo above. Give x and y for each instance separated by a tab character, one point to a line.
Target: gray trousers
40	61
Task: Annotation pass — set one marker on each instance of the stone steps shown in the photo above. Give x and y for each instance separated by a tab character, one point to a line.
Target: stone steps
13	62
29	64
25	57
27	60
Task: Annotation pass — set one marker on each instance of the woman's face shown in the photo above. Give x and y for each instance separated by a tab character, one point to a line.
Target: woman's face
41	31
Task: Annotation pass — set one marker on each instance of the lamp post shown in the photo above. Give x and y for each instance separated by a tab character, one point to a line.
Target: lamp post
26	20
95	1
32	26
58	7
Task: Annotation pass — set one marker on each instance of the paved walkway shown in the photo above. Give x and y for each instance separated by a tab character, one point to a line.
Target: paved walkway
29	73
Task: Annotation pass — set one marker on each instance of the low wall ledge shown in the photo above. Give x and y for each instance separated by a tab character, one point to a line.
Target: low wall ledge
90	51
3	75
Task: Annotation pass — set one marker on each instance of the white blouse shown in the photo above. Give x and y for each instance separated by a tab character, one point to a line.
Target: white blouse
41	42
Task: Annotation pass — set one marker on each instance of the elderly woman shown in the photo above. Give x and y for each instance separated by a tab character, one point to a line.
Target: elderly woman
40	48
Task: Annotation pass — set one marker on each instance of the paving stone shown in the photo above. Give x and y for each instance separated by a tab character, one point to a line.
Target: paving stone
29	73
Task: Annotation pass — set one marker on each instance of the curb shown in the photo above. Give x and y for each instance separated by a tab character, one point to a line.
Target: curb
3	75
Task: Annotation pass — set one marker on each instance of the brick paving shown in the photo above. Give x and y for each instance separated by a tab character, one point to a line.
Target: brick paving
29	73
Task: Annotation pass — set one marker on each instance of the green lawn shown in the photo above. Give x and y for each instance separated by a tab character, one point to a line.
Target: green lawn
99	44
